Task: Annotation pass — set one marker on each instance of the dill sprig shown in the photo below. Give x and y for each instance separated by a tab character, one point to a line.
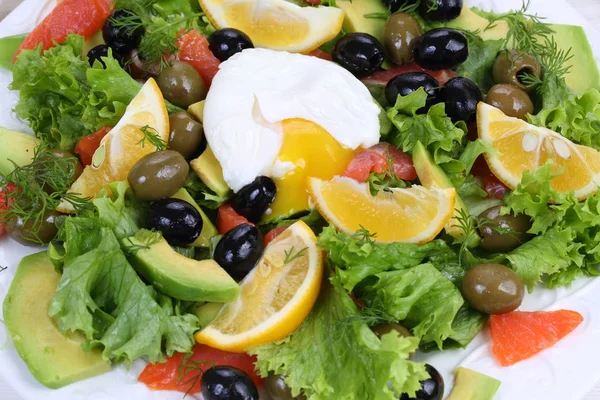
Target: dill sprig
387	179
2	268
159	43
196	367
133	248
40	187
363	236
528	33
151	135
291	256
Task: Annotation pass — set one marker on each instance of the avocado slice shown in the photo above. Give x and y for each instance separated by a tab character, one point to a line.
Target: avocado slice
16	147
209	170
8	47
208	228
583	74
469	21
176	275
196	110
473	385
53	359
357	16
207	313
432	176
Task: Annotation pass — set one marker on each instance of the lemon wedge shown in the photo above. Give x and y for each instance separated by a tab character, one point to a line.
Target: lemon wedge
276	24
123	146
524	147
275	297
413	215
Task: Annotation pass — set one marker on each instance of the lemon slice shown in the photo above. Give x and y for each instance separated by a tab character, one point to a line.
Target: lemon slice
123	146
524	147
275	297
276	24
414	215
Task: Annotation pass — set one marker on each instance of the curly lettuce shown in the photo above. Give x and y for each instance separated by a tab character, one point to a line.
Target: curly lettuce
334	354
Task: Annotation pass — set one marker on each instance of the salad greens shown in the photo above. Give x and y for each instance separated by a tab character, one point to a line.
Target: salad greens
334	353
102	296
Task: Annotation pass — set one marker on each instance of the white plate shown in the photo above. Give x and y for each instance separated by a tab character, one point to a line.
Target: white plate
566	371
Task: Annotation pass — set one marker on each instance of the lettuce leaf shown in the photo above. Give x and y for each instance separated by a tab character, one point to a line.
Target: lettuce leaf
118	208
421	297
334	354
577	118
101	295
567	232
478	66
360	259
435	130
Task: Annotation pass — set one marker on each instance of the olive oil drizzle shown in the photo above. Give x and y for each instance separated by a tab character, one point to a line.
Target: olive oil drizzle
40	187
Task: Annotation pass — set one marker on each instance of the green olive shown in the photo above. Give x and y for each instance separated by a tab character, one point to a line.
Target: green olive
501	233
512	66
32	232
279	390
383	329
511	100
400	32
186	134
493	289
181	84
158	175
72	170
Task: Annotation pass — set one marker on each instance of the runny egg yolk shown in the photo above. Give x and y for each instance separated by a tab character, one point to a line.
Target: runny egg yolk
314	153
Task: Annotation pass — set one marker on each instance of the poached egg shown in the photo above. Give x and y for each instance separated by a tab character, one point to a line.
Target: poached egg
289	117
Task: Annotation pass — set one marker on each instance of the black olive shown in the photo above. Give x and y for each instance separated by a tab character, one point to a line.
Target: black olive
239	250
395	5
178	221
228	41
407	83
431	389
441	10
122	39
442	48
253	199
461	97
227	383
359	53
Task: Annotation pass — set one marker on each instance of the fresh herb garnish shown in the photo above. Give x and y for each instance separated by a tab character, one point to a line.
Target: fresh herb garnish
151	135
194	366
133	248
385	180
291	256
363	236
2	269
40	188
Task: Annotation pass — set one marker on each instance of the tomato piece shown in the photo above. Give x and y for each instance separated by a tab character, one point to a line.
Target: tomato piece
320	53
492	185
193	49
87	145
383	77
83	17
4	205
375	159
269	237
227	219
167	376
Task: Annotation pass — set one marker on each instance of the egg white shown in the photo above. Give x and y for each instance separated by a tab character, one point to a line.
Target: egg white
258	88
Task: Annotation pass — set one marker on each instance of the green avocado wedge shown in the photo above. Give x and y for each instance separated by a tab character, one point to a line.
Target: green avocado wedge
16	148
473	385
53	359
176	275
359	16
8	47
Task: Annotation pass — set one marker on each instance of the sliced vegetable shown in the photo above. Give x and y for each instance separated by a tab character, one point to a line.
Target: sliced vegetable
183	372
383	77
269	237
227	219
193	49
381	158
87	145
518	336
82	17
4	204
8	47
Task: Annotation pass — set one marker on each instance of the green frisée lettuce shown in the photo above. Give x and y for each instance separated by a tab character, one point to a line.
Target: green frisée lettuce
120	210
567	232
334	354
577	118
64	99
421	297
101	296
